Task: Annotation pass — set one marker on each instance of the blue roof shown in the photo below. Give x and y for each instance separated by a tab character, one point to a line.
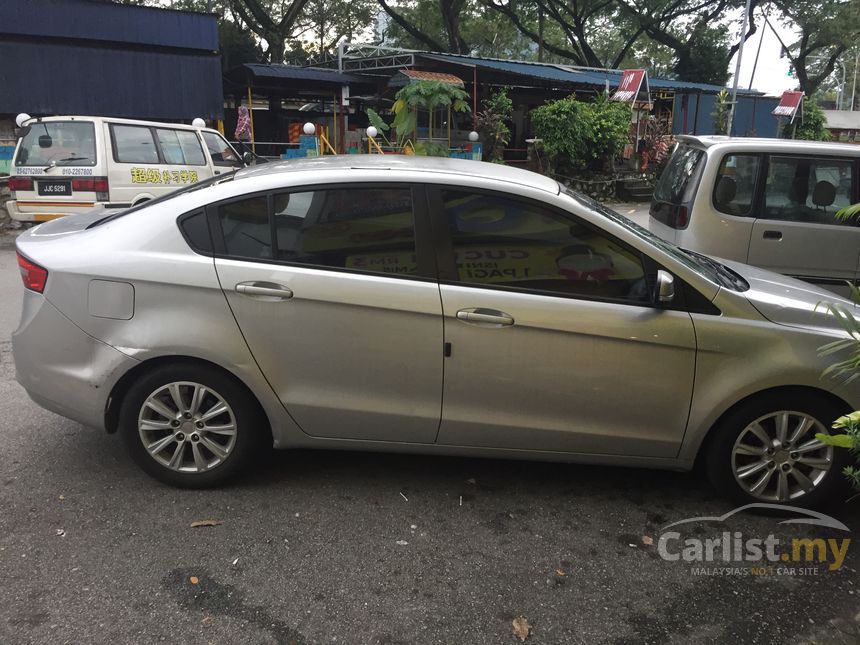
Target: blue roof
96	20
300	73
571	75
55	78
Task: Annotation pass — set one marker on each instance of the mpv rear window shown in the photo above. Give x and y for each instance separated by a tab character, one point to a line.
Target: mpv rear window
677	185
59	143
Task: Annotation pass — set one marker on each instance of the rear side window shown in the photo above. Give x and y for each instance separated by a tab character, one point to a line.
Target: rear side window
365	229
61	143
734	190
133	144
180	147
808	190
195	230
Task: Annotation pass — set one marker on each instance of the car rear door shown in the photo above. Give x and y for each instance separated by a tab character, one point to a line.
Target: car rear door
337	298
796	232
553	344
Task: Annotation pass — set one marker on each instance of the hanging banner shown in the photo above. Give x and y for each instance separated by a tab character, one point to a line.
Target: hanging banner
630	85
789	104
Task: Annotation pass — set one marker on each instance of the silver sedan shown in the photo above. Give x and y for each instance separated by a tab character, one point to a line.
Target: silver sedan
423	305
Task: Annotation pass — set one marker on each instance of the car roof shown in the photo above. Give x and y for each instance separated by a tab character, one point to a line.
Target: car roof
404	163
770	144
110	119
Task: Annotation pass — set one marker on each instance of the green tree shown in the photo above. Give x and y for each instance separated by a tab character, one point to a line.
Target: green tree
827	29
810	124
272	21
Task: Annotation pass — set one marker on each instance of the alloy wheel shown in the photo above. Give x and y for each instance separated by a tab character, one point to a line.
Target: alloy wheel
777	457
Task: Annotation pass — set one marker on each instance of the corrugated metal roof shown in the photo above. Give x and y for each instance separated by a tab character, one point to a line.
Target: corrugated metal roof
300	73
570	75
107	21
419	75
51	78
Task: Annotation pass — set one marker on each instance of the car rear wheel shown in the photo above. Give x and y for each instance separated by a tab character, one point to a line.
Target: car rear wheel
766	451
190	426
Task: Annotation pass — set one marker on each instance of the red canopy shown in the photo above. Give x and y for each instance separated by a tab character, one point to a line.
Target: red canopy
788	104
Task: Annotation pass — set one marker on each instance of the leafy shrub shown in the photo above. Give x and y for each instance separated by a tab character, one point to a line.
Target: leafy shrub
491	124
578	135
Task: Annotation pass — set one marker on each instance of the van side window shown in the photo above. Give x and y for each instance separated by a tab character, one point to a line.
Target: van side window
180	147
133	144
810	190
734	189
221	152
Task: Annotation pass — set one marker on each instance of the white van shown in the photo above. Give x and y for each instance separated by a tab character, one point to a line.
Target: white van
766	202
71	164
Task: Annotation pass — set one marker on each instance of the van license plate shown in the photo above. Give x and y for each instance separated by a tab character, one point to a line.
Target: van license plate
54	188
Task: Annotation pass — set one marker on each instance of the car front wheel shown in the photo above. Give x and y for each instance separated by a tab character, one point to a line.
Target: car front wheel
190	426
766	451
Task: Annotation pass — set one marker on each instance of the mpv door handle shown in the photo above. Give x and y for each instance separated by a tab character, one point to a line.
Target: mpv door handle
267	289
486	316
772	235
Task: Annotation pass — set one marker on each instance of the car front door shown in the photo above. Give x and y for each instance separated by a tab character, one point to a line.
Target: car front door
553	343
339	306
796	232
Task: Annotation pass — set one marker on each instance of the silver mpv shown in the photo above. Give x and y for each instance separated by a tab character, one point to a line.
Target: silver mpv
424	305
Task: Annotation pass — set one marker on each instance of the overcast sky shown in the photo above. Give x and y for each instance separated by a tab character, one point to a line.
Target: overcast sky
771	73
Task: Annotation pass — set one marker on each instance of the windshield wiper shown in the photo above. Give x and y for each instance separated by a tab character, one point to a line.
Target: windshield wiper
72	158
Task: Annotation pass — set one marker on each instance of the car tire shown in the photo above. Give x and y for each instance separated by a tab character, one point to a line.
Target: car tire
736	474
191	443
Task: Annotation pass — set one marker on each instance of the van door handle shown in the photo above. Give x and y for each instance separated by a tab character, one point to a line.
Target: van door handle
772	235
265	289
485	316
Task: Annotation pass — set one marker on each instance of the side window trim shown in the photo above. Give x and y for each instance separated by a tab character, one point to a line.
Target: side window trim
423	244
447	265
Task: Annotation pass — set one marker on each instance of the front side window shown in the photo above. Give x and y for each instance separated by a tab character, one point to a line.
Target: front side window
809	190
504	242
734	189
222	153
180	147
58	143
134	144
364	229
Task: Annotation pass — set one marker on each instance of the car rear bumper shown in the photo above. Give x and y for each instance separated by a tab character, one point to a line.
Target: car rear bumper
62	368
43	212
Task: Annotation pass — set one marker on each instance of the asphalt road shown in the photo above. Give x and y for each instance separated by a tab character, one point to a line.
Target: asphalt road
377	549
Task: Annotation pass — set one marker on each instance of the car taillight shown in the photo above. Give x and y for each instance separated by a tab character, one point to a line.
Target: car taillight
20	183
682	218
33	275
91	184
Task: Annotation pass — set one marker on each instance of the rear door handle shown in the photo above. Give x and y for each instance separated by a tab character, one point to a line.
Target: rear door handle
265	289
772	235
485	316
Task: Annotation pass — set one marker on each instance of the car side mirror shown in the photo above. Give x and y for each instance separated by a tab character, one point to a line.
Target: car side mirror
665	287
248	158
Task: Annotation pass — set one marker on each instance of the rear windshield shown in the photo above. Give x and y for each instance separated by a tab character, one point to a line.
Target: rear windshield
678	182
58	143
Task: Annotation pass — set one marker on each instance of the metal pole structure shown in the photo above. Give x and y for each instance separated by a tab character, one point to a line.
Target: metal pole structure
755	62
854	83
738	69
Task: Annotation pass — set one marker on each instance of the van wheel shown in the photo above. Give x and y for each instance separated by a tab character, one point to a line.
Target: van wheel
766	451
191	426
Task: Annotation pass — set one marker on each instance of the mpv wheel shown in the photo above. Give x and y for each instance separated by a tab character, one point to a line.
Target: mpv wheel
190	426
766	451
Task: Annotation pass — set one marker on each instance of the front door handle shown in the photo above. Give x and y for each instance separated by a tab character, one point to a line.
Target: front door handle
485	316
265	289
772	235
